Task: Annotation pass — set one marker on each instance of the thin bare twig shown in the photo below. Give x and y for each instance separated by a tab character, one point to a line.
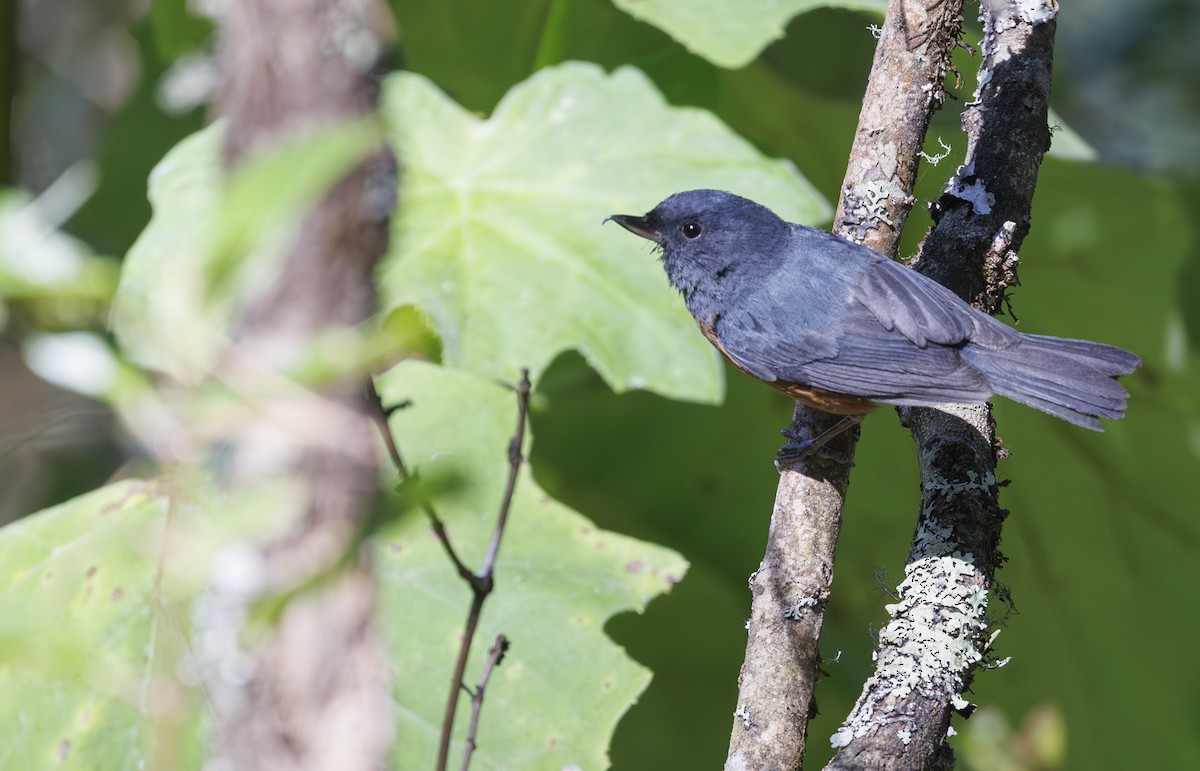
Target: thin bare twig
481	583
380	413
485	582
495	655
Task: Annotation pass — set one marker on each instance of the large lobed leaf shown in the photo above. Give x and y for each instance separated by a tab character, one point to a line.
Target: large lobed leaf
95	627
83	633
559	692
730	33
499	235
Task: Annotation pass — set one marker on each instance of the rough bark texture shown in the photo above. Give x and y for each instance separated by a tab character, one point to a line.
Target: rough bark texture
313	693
790	590
972	250
930	648
775	687
905	87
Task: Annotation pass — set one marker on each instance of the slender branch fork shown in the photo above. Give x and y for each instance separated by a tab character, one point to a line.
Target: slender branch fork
792	585
936	637
481	583
897	725
495	656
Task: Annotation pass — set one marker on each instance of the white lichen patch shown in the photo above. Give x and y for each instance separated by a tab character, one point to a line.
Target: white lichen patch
972	192
939	485
868	204
936	628
1037	11
796	611
937	157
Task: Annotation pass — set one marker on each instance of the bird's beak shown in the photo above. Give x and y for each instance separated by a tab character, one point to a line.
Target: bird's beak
637	225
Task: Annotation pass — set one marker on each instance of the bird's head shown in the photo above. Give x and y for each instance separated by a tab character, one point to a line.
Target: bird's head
706	234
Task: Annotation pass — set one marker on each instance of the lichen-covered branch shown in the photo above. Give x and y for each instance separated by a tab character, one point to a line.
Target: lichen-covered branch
791	586
311	692
911	62
930	648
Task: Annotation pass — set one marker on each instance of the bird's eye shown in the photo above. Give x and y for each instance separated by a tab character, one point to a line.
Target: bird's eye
692	230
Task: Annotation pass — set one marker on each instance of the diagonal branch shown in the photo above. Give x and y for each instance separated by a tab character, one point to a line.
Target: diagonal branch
380	413
935	639
791	586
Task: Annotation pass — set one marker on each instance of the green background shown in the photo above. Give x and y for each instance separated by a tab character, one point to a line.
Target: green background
1103	541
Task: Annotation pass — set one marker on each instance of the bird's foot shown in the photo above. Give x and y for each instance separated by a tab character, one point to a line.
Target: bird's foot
801	445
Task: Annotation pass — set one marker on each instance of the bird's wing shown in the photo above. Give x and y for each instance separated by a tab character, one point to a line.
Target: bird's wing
884	366
924	311
887	335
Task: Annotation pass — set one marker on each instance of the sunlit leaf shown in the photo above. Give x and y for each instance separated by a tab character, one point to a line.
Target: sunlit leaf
556	697
499	236
728	32
1067	144
85	632
96	622
56	277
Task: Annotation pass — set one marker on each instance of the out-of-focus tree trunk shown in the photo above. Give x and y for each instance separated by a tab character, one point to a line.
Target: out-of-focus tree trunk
316	695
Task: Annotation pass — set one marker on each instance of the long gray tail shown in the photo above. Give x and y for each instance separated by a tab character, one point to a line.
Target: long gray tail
1071	379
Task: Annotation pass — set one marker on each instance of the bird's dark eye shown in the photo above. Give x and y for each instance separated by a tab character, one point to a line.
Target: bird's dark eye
692	230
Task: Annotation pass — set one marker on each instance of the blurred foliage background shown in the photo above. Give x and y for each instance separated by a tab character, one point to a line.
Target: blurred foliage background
1103	541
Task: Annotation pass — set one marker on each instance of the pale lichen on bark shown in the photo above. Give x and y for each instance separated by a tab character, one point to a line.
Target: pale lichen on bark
903	715
792	584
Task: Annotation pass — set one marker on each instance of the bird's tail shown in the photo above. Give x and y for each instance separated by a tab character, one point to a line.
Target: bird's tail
1071	379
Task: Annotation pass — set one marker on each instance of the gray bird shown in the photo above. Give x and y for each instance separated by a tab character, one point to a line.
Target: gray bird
832	323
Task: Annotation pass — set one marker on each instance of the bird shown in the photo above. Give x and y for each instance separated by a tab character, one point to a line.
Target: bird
844	329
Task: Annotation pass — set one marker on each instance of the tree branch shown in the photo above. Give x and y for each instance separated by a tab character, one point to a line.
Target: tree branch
929	650
495	656
380	413
484	581
792	583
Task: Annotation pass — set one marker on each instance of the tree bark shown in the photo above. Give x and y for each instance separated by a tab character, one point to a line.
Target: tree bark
791	586
314	694
935	640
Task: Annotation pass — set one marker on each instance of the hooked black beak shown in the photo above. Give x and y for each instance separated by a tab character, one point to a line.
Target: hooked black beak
637	225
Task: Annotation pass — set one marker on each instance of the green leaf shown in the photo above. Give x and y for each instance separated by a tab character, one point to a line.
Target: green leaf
86	630
727	32
160	297
214	242
96	603
499	236
1067	144
559	692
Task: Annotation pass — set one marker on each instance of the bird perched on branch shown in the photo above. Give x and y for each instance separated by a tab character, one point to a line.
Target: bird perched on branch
836	325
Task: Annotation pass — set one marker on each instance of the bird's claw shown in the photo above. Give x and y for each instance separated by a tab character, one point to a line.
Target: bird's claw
801	445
